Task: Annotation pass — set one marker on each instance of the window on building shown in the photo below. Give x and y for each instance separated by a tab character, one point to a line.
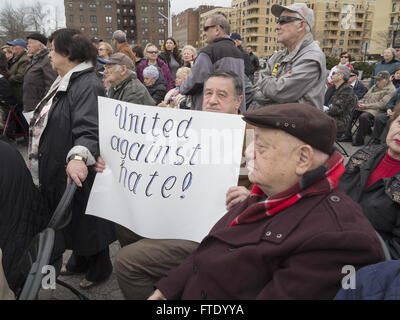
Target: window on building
93	19
109	30
144	9
92	6
71	18
108	19
81	7
145	20
83	29
161	30
70	6
108	6
82	19
94	30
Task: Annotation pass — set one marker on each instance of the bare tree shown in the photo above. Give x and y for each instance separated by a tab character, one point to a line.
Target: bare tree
383	39
36	16
14	23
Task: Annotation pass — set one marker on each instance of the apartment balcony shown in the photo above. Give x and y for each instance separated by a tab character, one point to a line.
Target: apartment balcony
333	10
254	5
254	14
332	18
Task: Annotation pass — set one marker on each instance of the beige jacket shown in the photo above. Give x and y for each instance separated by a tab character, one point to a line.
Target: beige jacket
376	99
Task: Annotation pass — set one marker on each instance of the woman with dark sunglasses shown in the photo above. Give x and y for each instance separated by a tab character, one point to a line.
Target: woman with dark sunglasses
345	59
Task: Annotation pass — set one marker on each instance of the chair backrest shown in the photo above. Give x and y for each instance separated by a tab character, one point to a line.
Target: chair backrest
35	258
62	215
385	249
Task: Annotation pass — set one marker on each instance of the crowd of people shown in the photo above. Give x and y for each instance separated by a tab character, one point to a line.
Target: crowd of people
291	225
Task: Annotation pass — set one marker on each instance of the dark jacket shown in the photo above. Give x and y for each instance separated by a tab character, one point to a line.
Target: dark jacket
394	101
379	281
341	104
39	76
254	62
158	90
22	211
220	54
359	89
133	91
73	121
248	67
7	97
298	253
381	201
18	66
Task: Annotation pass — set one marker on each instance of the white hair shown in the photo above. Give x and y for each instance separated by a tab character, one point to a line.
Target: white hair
308	29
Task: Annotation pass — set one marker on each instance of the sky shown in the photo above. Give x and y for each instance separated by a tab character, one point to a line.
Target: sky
177	6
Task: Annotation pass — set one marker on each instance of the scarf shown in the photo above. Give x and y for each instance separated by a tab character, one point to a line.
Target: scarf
318	181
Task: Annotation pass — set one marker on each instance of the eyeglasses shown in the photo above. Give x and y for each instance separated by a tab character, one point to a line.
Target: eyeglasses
352	75
205	28
152	52
333	73
286	19
345	57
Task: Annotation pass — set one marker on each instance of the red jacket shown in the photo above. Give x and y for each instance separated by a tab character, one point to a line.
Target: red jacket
298	253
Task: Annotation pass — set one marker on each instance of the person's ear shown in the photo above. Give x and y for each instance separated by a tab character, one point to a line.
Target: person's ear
238	102
305	158
123	70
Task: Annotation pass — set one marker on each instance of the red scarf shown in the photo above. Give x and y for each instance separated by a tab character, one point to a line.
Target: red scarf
319	181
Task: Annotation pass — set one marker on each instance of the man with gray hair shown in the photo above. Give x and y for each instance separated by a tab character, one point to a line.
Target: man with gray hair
121	44
220	53
124	84
296	73
340	99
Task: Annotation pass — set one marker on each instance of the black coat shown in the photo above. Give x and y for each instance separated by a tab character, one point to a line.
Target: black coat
7	97
22	211
381	201
158	90
73	121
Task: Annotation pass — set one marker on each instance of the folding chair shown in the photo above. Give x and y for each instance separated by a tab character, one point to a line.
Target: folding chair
13	115
385	249
344	152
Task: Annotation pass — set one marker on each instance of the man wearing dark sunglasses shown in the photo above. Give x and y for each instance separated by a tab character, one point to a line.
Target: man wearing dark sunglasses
220	53
296	73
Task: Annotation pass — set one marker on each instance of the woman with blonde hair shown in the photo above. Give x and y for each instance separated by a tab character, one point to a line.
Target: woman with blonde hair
174	98
105	50
189	54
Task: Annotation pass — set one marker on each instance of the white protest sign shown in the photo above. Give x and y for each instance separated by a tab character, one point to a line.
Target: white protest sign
168	170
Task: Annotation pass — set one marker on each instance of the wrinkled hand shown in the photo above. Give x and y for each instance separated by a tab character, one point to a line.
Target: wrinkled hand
162	104
77	171
100	165
389	112
361	106
157	295
235	195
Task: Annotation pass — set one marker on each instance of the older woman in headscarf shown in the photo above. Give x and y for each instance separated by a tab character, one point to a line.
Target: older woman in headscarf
155	84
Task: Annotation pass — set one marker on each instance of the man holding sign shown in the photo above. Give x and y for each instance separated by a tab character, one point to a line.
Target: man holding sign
296	231
140	264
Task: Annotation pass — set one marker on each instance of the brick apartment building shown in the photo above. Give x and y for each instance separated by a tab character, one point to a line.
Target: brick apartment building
185	26
140	19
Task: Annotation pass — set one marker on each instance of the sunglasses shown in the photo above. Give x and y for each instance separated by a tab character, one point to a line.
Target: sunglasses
287	19
345	57
152	52
205	28
352	75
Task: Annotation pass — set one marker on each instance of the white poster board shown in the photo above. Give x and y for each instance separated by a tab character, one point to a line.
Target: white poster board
168	170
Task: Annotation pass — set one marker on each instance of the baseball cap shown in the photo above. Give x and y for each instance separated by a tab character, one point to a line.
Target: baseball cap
382	75
17	42
38	37
121	59
236	36
301	8
302	121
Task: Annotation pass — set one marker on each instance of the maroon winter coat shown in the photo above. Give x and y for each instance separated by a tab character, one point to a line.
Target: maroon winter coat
298	253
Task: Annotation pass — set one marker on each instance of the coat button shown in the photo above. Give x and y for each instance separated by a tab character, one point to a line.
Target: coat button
268	234
335	199
203	294
279	236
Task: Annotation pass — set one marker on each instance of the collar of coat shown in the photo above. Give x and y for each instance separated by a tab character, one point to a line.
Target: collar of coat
318	181
64	81
123	83
307	40
41	54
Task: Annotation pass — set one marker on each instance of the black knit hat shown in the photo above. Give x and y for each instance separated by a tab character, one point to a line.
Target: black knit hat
38	37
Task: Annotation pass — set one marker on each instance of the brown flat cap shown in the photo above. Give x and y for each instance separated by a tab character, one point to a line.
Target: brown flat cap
302	121
121	59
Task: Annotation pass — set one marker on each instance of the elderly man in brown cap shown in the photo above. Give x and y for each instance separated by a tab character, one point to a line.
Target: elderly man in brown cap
296	73
297	230
124	84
